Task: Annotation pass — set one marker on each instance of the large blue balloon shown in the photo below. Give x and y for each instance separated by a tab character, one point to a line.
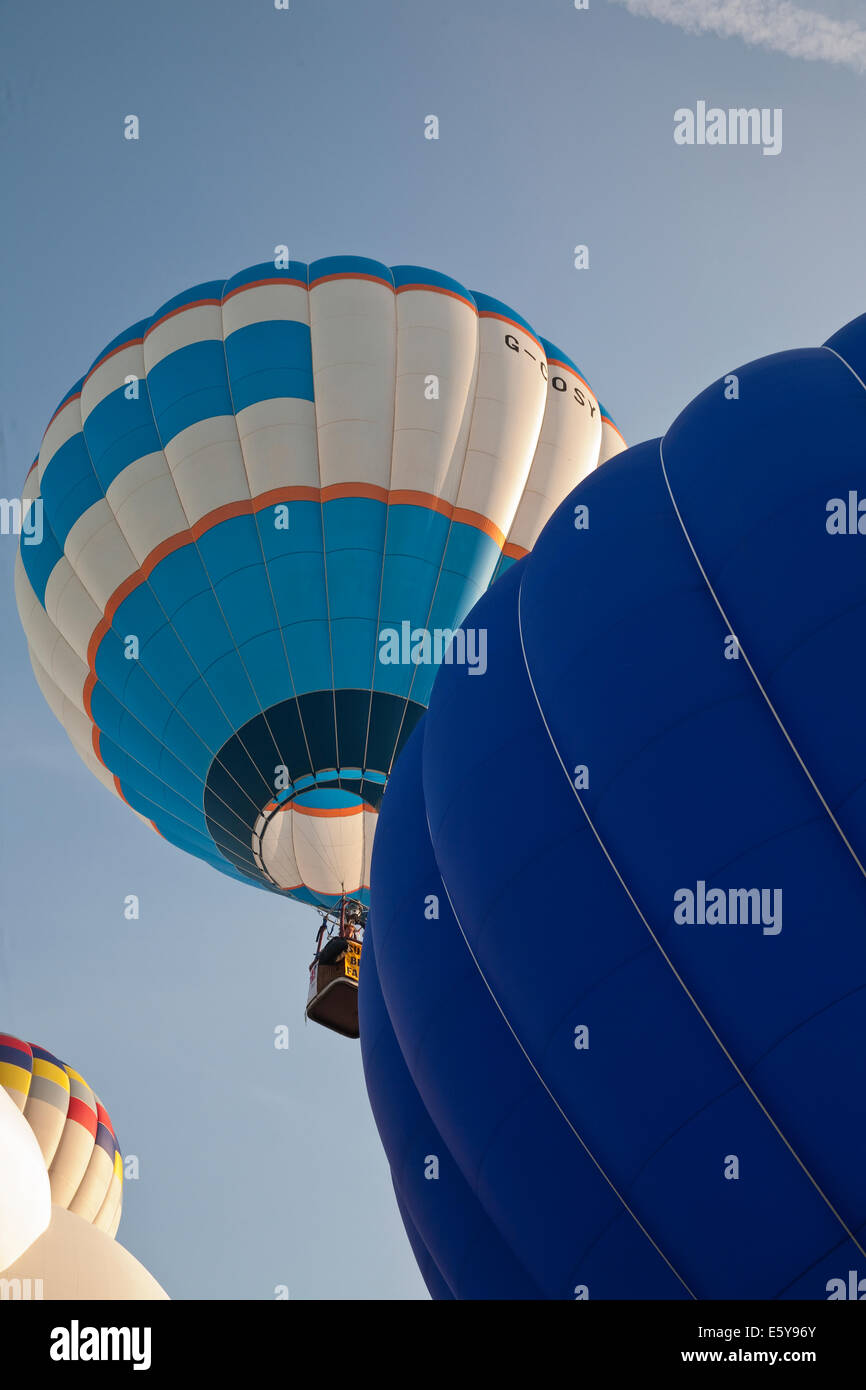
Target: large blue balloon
614	1010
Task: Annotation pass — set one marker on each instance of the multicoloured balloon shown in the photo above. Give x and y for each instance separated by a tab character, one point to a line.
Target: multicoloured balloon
613	990
248	494
73	1130
61	1183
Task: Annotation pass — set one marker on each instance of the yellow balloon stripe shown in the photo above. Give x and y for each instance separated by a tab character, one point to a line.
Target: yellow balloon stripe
50	1072
14	1078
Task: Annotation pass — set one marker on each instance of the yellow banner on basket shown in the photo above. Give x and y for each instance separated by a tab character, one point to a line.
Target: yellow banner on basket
353	959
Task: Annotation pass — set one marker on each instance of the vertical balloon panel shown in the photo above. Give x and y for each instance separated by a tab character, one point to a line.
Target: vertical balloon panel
437	360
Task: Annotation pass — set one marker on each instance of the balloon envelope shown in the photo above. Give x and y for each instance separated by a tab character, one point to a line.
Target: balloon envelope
25	1197
245	518
74	1133
75	1260
617	984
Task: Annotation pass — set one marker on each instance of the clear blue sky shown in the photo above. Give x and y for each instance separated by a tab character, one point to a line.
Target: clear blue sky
306	127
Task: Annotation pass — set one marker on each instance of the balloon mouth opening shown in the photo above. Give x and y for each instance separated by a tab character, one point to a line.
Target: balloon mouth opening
316	839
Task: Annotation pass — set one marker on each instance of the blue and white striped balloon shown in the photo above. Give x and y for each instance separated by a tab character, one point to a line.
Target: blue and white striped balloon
244	493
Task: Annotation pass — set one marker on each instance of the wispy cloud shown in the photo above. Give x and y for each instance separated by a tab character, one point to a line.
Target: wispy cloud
776	24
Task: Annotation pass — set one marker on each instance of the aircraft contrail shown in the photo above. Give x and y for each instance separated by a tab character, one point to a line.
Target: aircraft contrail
776	24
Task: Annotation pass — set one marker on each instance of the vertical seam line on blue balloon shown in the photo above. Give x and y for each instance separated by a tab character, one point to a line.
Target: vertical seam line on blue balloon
771	707
608	856
620	1198
470	1174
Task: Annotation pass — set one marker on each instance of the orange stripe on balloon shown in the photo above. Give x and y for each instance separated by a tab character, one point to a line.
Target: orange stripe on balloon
330	812
490	314
361	888
563	366
278	495
250	506
514	552
121	347
440	289
181	309
271	280
351	275
371	491
69	399
407	497
480	523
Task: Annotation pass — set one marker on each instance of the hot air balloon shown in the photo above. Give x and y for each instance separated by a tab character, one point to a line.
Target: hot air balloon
613	994
73	1261
25	1197
76	1173
72	1128
255	524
